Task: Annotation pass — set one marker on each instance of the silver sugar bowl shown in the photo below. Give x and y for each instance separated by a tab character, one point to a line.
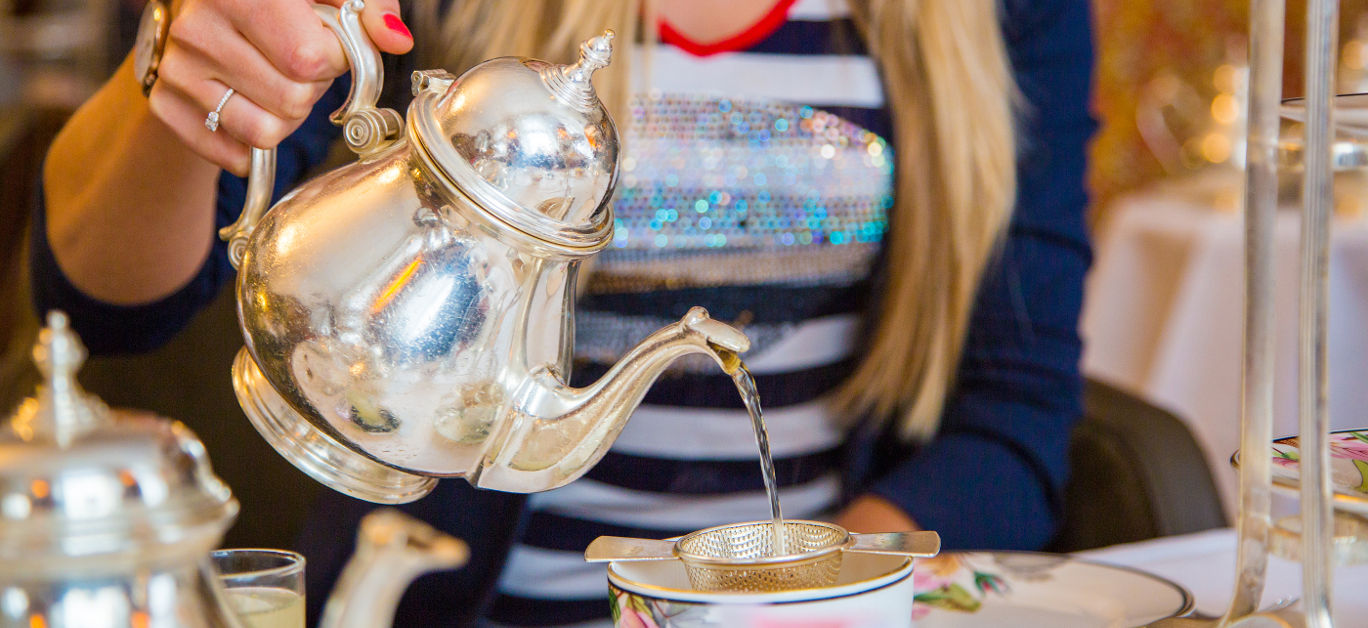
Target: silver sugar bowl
107	517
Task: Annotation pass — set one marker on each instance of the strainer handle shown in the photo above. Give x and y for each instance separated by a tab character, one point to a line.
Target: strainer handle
622	548
923	543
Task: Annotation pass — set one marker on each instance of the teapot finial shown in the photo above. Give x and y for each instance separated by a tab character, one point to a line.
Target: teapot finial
595	54
572	84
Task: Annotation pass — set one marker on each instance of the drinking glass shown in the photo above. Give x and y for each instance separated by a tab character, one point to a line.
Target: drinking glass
265	587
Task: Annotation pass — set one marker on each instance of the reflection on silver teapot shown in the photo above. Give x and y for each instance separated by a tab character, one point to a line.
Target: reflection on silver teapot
410	315
107	519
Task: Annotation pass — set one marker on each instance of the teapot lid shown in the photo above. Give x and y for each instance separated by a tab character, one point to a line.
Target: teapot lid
79	480
528	141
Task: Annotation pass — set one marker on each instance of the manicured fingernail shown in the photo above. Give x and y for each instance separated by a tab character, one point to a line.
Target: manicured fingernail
397	25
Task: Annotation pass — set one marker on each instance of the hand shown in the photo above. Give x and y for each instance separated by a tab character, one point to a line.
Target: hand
277	54
871	513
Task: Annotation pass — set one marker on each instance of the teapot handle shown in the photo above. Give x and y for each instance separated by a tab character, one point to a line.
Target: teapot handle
365	127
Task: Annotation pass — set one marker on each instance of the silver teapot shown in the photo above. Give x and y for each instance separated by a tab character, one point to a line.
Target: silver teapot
107	519
410	315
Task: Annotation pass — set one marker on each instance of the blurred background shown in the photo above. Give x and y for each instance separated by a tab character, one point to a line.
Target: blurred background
1162	68
1162	319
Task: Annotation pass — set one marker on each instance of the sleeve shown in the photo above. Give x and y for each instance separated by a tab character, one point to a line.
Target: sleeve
994	475
108	328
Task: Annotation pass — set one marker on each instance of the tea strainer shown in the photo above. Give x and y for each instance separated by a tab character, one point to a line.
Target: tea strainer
740	557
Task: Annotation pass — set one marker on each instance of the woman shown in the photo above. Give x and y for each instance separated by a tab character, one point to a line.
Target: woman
912	294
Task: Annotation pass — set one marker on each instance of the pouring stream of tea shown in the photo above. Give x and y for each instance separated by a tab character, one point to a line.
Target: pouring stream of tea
745	384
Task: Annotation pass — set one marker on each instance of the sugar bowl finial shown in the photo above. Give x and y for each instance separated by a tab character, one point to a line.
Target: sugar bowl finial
62	410
58	353
572	84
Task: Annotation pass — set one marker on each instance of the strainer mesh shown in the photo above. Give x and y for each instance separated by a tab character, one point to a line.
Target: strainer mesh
738	558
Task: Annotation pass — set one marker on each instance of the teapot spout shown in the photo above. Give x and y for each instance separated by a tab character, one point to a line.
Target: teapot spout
392	549
558	433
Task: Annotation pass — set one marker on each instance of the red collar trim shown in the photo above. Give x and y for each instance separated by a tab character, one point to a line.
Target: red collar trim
761	29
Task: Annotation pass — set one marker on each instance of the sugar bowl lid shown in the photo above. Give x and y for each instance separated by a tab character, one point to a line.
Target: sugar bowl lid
528	141
81	482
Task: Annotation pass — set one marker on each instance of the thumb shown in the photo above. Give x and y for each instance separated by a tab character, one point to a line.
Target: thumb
384	25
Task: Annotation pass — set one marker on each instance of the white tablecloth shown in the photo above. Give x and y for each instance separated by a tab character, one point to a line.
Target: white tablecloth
1205	564
1164	314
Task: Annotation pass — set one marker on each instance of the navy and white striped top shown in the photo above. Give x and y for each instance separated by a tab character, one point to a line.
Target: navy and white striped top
755	183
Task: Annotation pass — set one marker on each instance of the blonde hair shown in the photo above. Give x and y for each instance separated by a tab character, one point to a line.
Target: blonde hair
950	91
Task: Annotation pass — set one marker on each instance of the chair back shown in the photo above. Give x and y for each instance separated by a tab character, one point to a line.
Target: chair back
1136	473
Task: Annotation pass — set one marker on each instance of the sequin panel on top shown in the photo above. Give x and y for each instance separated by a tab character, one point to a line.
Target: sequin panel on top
718	192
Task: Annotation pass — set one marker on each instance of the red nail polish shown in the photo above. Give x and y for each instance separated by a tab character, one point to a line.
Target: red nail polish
397	25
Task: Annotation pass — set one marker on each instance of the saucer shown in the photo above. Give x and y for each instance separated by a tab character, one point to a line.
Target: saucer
1348	467
1037	590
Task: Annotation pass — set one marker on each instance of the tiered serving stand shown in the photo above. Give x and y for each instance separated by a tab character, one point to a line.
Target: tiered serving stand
1313	534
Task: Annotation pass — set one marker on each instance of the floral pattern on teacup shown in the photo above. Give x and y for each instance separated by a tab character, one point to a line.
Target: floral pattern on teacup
634	611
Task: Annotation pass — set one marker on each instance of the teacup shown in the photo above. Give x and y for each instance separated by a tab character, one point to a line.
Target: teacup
872	591
264	587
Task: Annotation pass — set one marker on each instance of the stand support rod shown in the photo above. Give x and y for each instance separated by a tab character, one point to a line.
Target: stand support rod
1256	403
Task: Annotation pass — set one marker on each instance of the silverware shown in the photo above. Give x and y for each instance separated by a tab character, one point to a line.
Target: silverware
410	315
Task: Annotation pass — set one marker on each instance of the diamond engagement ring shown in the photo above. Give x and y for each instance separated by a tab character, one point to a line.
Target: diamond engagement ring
212	122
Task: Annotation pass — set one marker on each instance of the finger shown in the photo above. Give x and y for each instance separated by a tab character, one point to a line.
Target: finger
224	56
241	116
243	119
384	25
184	118
289	35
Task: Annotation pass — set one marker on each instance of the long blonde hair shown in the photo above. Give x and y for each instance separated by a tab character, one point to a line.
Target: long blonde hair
950	91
